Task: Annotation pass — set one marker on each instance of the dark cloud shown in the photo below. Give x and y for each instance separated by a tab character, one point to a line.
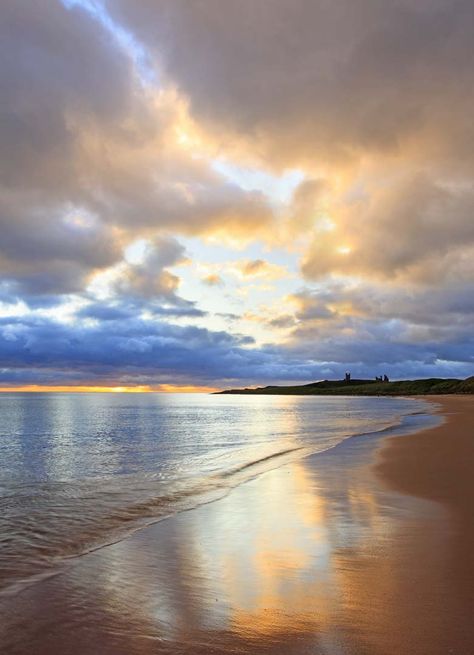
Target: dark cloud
104	312
376	326
123	348
54	64
335	77
43	250
129	347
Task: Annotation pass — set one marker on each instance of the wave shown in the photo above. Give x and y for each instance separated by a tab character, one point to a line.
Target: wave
82	518
260	460
105	517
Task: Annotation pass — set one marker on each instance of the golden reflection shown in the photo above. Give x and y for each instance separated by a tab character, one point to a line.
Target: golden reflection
287	555
272	555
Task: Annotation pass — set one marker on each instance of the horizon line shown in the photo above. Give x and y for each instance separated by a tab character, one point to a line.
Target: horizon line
163	388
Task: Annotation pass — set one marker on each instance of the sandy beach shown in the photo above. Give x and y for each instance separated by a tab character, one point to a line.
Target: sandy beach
438	464
363	550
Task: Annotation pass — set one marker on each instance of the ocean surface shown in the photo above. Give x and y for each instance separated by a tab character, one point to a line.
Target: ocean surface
81	471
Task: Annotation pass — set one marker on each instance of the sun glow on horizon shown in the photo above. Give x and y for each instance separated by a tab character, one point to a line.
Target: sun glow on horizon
162	388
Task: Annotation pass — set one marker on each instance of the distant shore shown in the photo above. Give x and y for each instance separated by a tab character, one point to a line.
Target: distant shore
429	386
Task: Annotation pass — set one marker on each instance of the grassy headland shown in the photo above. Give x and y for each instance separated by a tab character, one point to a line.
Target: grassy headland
435	386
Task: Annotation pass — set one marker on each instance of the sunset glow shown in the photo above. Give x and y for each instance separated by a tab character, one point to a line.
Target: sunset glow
157	222
236	327
164	388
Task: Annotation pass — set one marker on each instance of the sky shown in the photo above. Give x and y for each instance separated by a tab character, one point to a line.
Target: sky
197	195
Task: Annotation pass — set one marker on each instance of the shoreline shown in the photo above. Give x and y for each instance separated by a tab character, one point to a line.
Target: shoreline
372	440
413	466
437	464
331	554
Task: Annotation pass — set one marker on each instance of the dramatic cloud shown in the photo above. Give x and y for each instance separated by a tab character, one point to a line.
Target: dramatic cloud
319	79
91	153
240	191
124	350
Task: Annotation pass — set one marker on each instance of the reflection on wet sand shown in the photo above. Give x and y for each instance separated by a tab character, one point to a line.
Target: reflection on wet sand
309	557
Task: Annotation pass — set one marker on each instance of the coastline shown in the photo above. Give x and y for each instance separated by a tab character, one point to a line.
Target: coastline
437	464
413	466
332	554
367	387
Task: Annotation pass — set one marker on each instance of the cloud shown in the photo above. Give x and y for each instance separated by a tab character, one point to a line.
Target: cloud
91	157
141	285
370	97
127	350
447	308
259	268
213	280
149	279
171	120
413	228
46	249
332	80
373	326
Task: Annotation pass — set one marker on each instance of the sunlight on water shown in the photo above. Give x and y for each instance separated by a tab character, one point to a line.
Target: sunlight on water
80	471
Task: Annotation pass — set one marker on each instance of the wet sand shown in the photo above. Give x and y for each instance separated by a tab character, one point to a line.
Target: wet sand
438	464
326	555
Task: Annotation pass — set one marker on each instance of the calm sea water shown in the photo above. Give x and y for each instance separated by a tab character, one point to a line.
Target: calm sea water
79	471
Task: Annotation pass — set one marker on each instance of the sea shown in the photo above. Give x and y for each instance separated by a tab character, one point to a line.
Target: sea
82	471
